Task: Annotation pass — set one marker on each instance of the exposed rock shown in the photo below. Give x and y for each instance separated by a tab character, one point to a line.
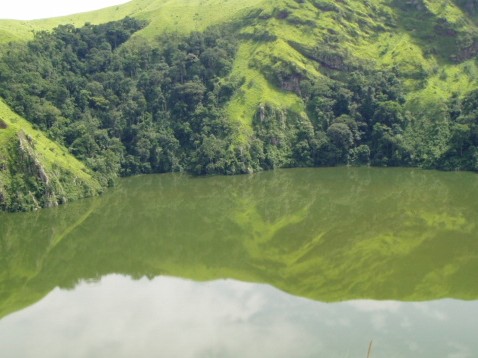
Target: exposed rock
35	168
262	112
292	84
333	61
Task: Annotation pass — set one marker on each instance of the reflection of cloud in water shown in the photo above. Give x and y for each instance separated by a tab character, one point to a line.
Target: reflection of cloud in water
430	312
378	310
379	322
375	306
170	317
459	351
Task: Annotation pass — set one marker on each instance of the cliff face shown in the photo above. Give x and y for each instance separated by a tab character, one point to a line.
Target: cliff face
36	172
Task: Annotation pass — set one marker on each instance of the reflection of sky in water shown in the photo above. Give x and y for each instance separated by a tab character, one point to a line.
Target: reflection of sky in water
169	317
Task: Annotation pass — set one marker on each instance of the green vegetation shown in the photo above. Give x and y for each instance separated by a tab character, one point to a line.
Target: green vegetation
329	234
139	108
35	171
228	86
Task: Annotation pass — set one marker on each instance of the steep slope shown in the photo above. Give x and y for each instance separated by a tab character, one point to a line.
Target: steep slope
312	82
414	35
36	172
163	15
426	40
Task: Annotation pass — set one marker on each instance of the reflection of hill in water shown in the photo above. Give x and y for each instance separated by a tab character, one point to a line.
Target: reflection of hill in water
326	234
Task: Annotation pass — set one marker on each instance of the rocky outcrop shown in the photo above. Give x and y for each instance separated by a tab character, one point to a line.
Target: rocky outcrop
30	181
35	172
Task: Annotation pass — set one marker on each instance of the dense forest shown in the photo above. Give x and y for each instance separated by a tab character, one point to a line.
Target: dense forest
146	106
125	110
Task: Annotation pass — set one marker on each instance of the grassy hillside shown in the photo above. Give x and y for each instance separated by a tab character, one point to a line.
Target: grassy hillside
305	70
171	15
35	171
431	43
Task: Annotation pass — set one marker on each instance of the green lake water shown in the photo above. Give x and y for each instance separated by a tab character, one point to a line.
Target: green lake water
289	263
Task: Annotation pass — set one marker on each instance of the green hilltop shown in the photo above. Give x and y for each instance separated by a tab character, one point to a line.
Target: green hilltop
317	74
432	39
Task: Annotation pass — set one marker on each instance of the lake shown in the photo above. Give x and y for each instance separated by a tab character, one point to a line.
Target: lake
287	263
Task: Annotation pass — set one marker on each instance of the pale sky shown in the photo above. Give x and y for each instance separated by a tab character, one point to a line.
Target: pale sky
38	9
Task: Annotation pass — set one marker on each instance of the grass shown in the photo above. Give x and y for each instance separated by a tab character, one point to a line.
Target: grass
446	9
377	31
381	33
171	15
54	158
256	89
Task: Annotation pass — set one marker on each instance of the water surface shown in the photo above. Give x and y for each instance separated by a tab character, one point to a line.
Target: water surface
303	263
